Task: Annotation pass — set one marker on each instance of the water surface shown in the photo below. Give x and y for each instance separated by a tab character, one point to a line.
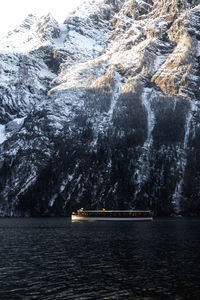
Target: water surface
56	259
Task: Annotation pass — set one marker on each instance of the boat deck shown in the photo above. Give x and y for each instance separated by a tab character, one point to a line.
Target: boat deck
111	215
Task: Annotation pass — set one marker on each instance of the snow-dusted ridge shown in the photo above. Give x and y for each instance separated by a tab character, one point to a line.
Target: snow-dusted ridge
102	110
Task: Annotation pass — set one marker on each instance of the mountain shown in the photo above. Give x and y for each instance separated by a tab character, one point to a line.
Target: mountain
102	110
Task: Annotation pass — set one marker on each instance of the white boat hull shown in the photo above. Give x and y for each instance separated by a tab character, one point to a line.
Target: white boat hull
77	218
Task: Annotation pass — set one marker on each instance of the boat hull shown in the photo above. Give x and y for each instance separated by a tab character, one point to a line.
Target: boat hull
78	218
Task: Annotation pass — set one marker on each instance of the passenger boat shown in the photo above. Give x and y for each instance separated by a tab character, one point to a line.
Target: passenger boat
111	215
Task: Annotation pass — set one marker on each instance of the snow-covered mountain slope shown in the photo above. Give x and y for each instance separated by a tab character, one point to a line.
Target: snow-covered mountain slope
103	110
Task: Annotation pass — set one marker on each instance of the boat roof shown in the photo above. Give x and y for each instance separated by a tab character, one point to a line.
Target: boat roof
84	210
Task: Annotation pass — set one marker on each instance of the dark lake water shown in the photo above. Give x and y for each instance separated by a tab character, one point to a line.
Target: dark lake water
56	259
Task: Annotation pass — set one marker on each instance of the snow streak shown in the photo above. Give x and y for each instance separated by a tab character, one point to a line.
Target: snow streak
141	174
179	186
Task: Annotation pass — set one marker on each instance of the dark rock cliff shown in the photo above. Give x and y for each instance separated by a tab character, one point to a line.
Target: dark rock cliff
103	110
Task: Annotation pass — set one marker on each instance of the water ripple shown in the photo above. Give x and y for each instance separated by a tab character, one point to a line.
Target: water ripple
56	259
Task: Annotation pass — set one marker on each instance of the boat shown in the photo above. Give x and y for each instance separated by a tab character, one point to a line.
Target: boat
111	215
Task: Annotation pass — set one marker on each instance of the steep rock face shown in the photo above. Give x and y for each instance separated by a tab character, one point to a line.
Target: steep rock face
103	110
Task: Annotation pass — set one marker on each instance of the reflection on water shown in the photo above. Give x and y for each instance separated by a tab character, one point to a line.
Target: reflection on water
56	259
